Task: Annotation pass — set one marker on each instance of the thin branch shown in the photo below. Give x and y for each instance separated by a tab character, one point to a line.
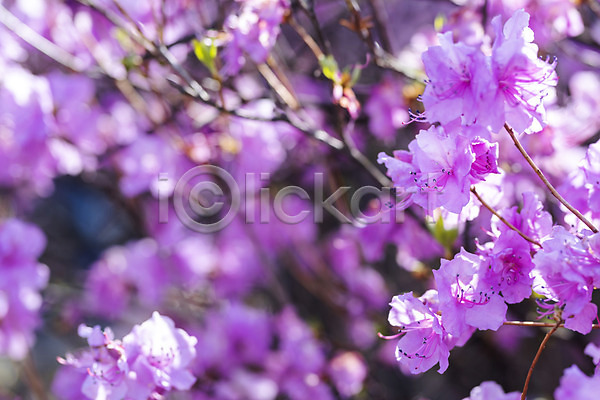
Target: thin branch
383	59
501	218
318	134
280	74
310	42
537	357
535	324
362	159
197	90
539	173
192	88
309	9
281	90
39	42
33	378
132	20
594	7
380	18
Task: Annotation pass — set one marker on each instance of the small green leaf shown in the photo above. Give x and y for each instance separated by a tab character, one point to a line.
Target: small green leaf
123	39
445	237
355	75
206	52
439	22
329	67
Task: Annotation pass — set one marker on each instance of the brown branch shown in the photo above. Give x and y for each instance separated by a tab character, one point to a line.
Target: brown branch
308	40
539	173
362	159
309	10
535	324
501	218
279	88
383	59
33	378
537	357
380	18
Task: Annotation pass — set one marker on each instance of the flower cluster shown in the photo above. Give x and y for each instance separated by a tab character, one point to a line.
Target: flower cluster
150	361
527	253
463	85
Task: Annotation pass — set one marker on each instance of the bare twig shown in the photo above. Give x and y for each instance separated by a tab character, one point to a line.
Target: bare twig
501	218
35	382
39	42
309	9
281	90
362	159
380	18
539	173
310	42
383	59
535	324
537	357
197	90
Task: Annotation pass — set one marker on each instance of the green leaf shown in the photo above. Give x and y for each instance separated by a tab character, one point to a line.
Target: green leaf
123	39
355	75
329	67
206	52
439	22
445	237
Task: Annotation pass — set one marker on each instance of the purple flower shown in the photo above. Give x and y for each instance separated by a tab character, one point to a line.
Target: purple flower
486	158
467	299
104	362
159	354
531	219
593	351
300	363
509	267
253	31
491	391
150	361
521	79
25	126
22	280
386	109
457	76
566	271
234	336
440	168
348	371
575	385
424	341
591	169
551	20
135	268
465	84
143	161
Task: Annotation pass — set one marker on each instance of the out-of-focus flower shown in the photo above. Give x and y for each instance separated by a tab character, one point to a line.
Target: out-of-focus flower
150	361
491	391
253	32
348	371
21	244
